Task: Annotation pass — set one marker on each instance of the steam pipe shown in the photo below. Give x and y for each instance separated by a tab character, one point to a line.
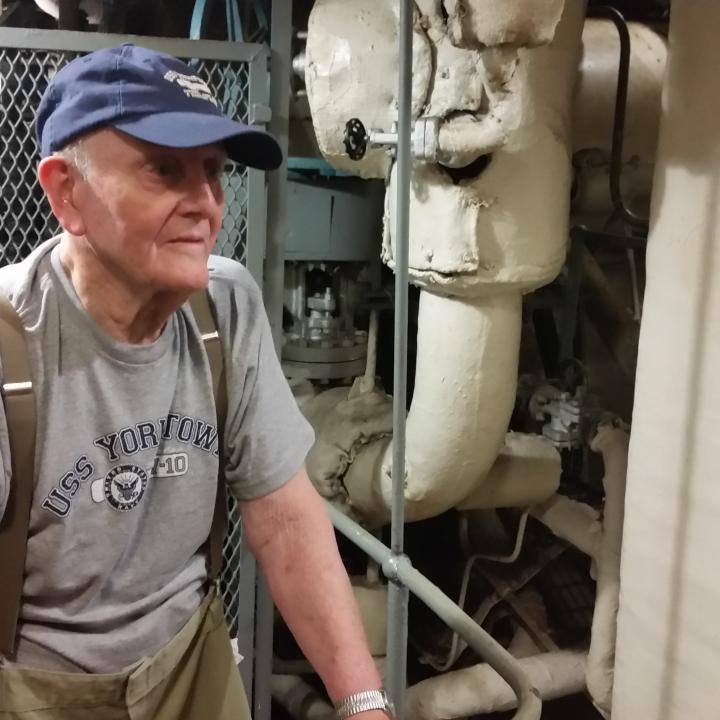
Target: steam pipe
478	690
300	700
580	525
613	444
573	521
668	627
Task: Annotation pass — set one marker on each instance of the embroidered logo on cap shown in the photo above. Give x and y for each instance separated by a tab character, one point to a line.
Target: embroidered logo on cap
192	85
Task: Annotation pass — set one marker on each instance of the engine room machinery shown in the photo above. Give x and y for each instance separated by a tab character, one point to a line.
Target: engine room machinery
499	106
561	224
332	272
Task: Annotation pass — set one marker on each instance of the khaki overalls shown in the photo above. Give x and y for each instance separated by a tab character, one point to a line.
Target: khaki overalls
194	677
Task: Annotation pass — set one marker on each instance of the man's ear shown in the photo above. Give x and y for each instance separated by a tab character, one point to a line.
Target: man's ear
59	179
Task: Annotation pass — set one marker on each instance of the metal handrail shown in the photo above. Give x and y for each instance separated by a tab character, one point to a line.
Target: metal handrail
399	570
398	596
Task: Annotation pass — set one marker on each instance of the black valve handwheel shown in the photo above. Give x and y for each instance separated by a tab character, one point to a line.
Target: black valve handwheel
355	139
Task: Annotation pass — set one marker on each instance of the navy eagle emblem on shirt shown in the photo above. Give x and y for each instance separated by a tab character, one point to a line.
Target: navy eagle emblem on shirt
125	486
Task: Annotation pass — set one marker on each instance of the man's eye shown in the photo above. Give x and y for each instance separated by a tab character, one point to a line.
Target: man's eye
164	169
216	171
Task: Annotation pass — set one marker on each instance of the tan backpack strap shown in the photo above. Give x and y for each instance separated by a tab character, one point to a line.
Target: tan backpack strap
200	305
19	401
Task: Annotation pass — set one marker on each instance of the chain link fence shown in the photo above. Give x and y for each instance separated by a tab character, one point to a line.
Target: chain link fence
25	217
26	220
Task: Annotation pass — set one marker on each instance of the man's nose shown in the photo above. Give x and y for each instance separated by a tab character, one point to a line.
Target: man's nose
202	196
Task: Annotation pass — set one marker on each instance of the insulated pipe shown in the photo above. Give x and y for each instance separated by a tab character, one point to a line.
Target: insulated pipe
463	139
573	521
580	525
366	382
613	444
478	690
93	9
301	701
465	378
51	7
668	638
593	116
400	570
476	245
467	355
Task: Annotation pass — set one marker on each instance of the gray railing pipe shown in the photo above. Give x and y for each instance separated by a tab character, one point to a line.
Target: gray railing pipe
398	593
399	570
277	228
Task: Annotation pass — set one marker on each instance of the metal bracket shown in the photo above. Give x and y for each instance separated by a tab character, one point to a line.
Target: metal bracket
17	388
425	139
259	114
563	412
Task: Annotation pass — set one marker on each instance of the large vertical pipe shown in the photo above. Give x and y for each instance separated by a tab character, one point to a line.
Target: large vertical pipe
398	594
668	650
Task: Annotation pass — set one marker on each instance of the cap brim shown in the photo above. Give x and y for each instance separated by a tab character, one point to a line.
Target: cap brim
244	144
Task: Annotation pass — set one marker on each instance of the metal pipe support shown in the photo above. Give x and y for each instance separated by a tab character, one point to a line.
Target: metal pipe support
398	594
400	570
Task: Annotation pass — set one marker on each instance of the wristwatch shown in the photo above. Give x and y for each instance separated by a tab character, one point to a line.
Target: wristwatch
362	702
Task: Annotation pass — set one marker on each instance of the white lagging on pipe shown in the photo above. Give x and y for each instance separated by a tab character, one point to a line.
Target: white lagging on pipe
573	521
479	689
668	640
300	700
93	8
613	444
467	352
581	526
465	382
475	246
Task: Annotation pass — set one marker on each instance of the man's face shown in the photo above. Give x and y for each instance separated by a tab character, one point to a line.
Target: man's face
151	214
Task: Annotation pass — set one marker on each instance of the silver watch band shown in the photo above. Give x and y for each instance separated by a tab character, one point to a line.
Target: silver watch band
362	702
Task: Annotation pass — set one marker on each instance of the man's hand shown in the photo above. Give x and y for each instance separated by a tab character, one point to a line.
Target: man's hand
292	538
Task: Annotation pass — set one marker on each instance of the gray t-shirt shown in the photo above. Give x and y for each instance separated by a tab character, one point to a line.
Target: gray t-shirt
126	463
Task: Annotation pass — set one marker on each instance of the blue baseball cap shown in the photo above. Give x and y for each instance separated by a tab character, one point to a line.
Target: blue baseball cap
150	96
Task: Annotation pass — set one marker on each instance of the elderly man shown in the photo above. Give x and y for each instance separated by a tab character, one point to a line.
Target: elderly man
118	619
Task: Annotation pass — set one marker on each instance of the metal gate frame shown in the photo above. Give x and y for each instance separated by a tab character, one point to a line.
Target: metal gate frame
257	104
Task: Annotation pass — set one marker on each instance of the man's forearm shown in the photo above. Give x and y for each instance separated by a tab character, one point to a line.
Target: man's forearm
293	540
